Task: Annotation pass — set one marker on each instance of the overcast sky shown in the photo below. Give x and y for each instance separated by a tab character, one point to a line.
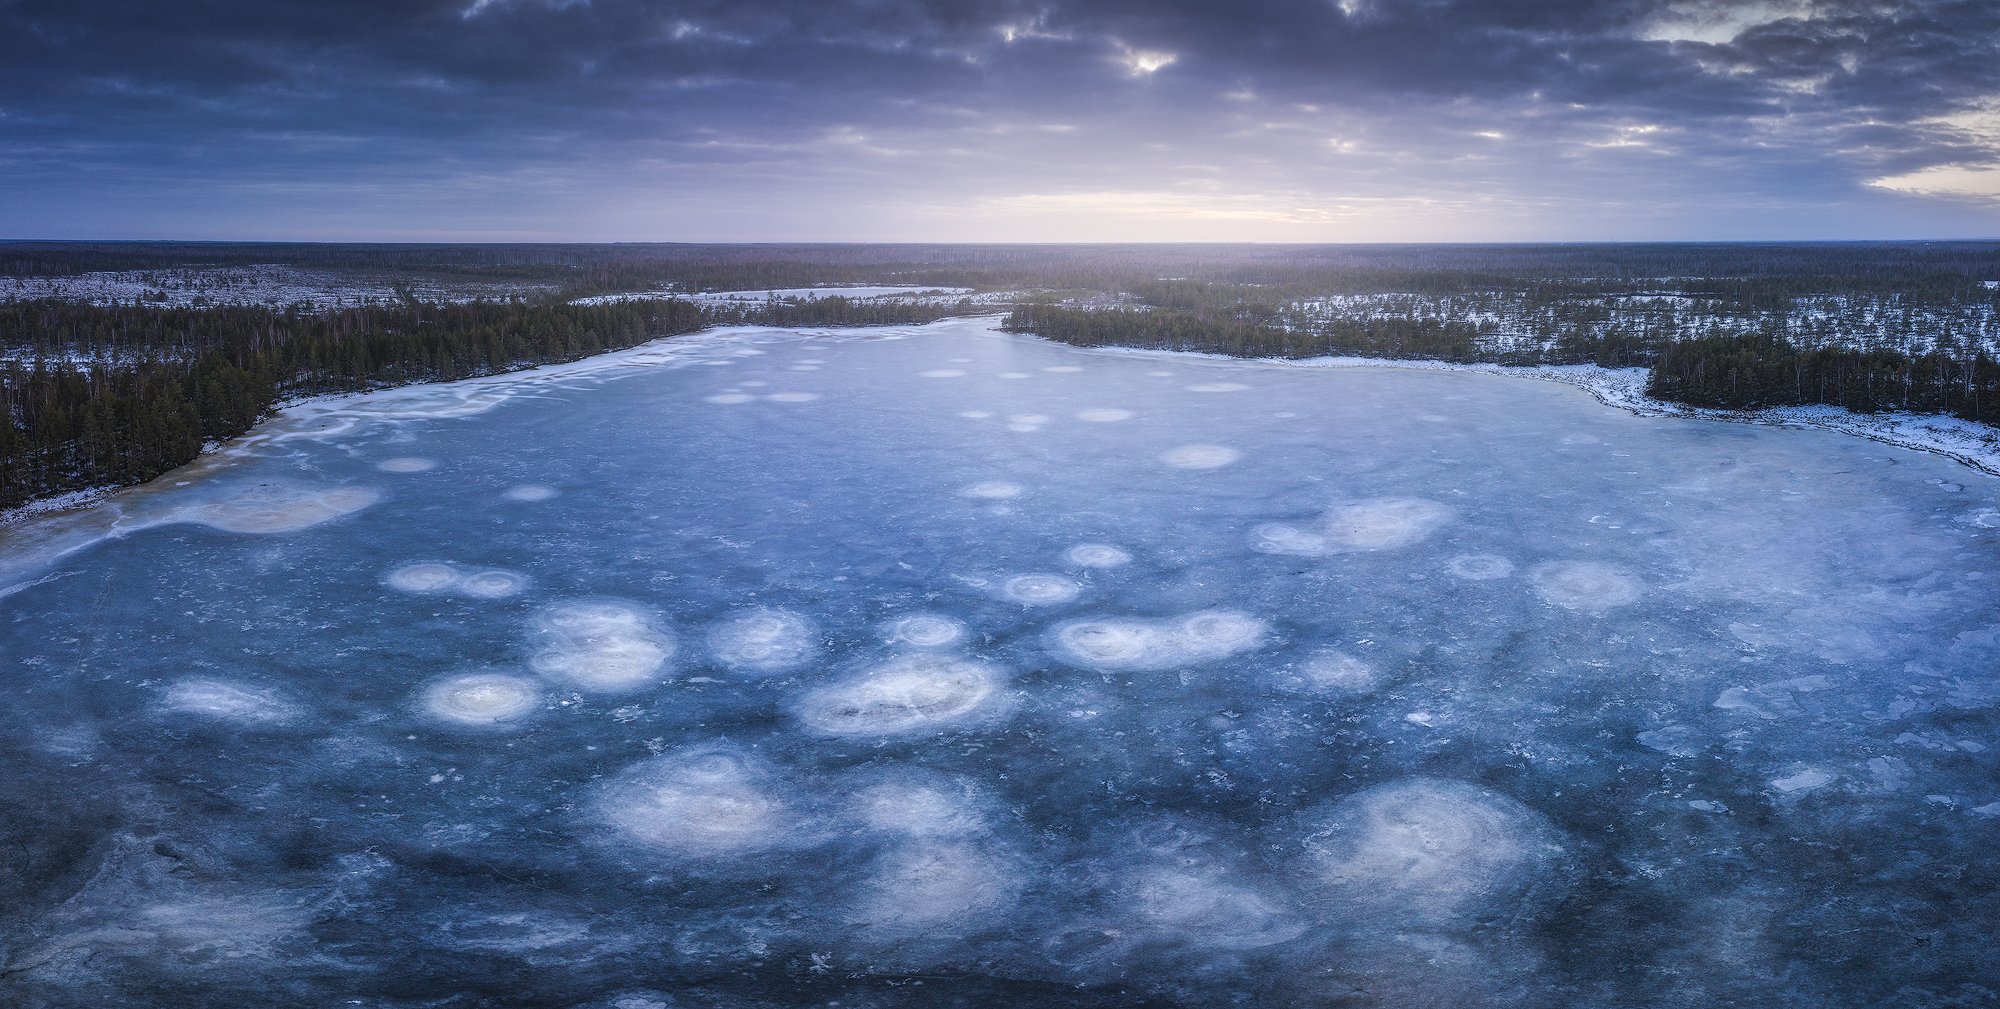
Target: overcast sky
995	120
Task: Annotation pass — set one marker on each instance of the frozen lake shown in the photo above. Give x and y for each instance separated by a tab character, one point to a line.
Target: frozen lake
934	666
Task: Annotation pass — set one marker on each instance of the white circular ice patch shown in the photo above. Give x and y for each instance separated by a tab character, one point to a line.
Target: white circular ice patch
763	641
1384	523
1427	849
1105	415
944	373
914	693
930	885
1097	555
1220	632
482	698
530	492
1063	369
232	702
1279	538
792	397
917	806
1217	387
1480	567
1116	643
1587	586
1040	589
703	801
492	584
425	577
926	630
1203	910
277	507
993	490
730	398
432	577
406	464
1200	456
600	645
1333	671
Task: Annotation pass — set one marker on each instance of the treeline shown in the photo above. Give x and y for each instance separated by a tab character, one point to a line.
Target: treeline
1762	370
833	311
1737	371
1173	329
71	418
1746	275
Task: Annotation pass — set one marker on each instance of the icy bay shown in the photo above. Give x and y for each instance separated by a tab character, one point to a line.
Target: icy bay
936	666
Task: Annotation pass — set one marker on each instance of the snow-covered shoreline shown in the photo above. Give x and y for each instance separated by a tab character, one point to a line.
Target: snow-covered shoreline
1968	442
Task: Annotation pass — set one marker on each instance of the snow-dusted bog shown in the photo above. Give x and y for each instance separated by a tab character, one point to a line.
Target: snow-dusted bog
932	666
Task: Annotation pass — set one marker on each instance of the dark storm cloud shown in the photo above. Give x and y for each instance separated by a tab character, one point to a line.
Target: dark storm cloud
1278	111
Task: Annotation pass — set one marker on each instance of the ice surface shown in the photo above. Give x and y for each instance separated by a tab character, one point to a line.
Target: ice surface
763	641
482	698
601	645
851	686
917	693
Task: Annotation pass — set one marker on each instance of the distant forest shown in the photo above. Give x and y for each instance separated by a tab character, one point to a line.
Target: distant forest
119	393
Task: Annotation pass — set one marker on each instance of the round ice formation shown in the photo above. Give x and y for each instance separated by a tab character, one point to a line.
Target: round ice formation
530	492
279	508
763	641
1200	456
1200	909
425	577
493	584
1063	369
934	884
1427	849
405	464
945	373
1097	555
1279	538
1480	567
994	490
1220	631
1585	585
600	645
730	398
1134	643
706	800
917	806
1105	415
430	577
1333	671
1217	387
482	698
1384	523
1015	375
1040	589
228	701
792	397
911	694
926	630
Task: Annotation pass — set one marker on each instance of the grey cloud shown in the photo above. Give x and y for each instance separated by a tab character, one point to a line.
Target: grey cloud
957	98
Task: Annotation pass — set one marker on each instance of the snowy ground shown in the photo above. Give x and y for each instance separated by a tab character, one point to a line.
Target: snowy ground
906	293
269	285
1974	444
